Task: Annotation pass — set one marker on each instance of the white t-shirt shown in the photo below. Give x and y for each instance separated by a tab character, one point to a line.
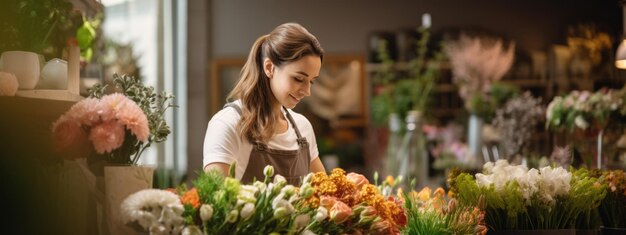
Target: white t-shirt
223	144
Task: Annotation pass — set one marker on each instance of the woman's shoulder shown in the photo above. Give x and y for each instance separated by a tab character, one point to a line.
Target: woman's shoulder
228	114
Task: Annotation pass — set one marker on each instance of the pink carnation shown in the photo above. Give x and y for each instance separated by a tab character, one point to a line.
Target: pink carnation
340	212
86	111
111	104
358	179
135	120
66	132
8	84
70	138
107	136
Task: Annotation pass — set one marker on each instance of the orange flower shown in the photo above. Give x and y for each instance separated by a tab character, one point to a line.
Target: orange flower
424	195
389	180
340	212
191	197
357	179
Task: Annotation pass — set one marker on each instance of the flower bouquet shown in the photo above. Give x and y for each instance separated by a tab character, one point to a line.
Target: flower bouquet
222	205
349	204
111	131
478	63
583	110
517	198
118	126
438	214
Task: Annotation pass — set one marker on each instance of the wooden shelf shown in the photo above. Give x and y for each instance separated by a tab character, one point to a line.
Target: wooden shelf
60	95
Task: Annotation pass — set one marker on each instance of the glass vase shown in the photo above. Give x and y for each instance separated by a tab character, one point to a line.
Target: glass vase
412	155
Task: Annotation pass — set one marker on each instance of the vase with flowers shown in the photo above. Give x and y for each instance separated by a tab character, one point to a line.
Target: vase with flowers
112	131
478	63
612	209
585	115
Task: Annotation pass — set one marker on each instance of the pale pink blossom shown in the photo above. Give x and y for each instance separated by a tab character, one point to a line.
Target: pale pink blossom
8	84
70	137
358	179
107	136
112	104
327	201
135	120
66	132
85	112
340	212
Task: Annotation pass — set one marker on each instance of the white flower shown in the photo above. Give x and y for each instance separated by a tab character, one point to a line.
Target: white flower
280	180
302	220
321	214
232	216
268	171
247	211
580	122
191	230
206	212
8	84
308	232
307	178
288	190
157	211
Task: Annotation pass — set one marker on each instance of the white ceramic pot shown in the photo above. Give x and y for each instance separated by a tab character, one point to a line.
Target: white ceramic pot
24	65
54	75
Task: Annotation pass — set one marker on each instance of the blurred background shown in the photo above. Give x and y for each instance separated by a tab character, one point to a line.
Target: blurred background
378	59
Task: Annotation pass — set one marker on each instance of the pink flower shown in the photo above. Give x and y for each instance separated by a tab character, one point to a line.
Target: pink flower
107	136
66	132
112	104
340	212
358	179
327	201
8	84
85	112
135	120
70	138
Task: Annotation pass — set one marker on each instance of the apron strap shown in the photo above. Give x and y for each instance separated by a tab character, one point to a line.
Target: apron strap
295	127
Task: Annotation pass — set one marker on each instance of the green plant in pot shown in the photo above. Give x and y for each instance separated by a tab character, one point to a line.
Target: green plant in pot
40	26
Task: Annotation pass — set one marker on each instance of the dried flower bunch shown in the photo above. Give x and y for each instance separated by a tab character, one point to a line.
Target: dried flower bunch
478	63
118	126
517	122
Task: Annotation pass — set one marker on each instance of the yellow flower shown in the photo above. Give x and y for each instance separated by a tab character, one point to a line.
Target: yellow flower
424	195
389	180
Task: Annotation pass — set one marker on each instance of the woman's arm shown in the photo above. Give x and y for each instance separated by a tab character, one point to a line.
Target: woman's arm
221	167
317	166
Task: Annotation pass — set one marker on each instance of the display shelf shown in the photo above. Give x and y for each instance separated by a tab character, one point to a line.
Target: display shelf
59	95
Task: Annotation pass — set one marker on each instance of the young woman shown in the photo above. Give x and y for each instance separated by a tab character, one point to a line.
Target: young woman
259	128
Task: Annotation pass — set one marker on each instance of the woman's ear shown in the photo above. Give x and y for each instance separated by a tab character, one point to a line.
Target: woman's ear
268	67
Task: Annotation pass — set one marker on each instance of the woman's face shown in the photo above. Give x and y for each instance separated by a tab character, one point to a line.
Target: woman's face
291	82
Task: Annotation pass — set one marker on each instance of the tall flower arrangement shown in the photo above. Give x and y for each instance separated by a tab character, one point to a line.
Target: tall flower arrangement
478	62
118	126
519	198
516	122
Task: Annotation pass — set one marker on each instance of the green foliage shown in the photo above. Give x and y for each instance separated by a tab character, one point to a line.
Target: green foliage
40	26
153	105
400	93
485	108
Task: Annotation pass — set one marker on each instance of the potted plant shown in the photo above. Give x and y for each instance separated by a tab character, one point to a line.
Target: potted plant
112	131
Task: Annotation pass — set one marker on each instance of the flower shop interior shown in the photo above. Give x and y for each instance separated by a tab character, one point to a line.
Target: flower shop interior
430	117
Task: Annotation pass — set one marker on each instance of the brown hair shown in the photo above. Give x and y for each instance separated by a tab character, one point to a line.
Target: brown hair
285	44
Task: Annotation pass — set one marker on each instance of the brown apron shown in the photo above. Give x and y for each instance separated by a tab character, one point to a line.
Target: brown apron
291	164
